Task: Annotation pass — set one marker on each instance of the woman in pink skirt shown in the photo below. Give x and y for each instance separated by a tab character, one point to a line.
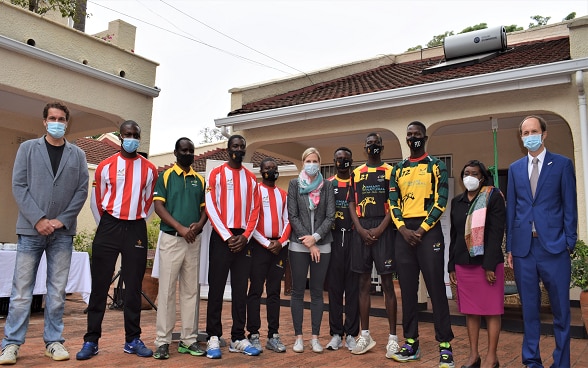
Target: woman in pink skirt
476	261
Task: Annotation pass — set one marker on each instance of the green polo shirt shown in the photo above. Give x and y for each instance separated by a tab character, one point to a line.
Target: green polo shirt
182	193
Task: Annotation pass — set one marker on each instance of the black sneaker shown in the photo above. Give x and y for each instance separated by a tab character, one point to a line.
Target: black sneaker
409	352
446	355
162	352
193	349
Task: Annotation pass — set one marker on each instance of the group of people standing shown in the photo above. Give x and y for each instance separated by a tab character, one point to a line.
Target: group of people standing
332	231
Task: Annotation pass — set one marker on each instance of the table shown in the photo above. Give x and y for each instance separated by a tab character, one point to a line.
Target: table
79	280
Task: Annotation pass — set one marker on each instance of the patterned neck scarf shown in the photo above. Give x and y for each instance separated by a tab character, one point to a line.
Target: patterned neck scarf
476	222
310	186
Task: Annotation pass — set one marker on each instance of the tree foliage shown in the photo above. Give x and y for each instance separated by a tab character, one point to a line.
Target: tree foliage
210	135
539	21
417	47
513	28
438	40
474	28
67	8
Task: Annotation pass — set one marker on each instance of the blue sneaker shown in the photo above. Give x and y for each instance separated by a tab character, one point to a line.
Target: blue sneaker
213	350
89	349
243	346
137	347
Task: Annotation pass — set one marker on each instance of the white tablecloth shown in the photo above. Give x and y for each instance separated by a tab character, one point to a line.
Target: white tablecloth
79	281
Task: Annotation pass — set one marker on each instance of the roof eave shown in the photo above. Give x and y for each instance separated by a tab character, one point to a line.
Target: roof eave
517	79
49	57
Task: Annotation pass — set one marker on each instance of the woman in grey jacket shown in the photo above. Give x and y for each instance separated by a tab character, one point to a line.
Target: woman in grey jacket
311	211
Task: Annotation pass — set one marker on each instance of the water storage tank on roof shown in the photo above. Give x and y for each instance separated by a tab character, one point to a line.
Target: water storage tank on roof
476	42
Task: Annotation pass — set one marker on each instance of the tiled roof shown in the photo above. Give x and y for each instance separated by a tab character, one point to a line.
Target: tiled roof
410	74
112	144
95	150
222	155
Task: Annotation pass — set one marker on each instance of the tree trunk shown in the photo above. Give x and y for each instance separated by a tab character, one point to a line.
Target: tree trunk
80	17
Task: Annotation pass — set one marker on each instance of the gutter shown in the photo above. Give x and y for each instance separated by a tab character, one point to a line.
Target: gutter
60	61
508	80
226	131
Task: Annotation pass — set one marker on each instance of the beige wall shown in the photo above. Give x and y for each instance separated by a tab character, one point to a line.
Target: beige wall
104	105
9	143
559	100
86	220
97	105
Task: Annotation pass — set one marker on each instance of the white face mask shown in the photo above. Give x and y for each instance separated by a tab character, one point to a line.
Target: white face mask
471	183
311	168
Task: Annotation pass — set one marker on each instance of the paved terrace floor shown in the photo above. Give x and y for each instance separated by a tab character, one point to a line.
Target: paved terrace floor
112	355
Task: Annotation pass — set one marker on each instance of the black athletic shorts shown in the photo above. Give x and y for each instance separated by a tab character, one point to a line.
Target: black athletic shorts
381	253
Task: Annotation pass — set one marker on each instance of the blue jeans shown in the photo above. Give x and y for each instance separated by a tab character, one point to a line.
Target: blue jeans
58	249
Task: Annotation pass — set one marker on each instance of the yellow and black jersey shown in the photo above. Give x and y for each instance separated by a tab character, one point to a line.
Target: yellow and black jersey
418	188
341	189
369	189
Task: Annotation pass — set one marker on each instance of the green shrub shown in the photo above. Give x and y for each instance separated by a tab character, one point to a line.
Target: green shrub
82	242
580	266
153	232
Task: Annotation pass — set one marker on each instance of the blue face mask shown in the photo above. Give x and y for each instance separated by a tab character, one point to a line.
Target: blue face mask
532	142
55	129
311	168
130	144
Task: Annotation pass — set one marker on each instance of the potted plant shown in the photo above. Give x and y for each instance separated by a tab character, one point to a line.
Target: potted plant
580	276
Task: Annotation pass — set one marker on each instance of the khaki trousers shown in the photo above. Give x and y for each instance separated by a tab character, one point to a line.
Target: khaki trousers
179	262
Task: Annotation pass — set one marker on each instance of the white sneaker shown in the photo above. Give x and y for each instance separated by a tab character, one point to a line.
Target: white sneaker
298	346
275	344
363	345
9	354
316	346
350	342
254	340
213	350
56	351
392	347
243	346
335	343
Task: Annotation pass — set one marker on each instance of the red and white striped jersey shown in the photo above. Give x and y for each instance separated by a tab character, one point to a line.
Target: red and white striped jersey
232	200
124	187
273	216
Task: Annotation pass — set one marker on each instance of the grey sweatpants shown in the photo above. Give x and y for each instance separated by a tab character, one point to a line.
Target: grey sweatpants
299	264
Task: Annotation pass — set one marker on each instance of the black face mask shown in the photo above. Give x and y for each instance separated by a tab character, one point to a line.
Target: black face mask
416	143
237	156
271	175
373	149
185	160
342	163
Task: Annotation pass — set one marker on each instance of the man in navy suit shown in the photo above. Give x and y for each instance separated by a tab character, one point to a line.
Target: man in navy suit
542	217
